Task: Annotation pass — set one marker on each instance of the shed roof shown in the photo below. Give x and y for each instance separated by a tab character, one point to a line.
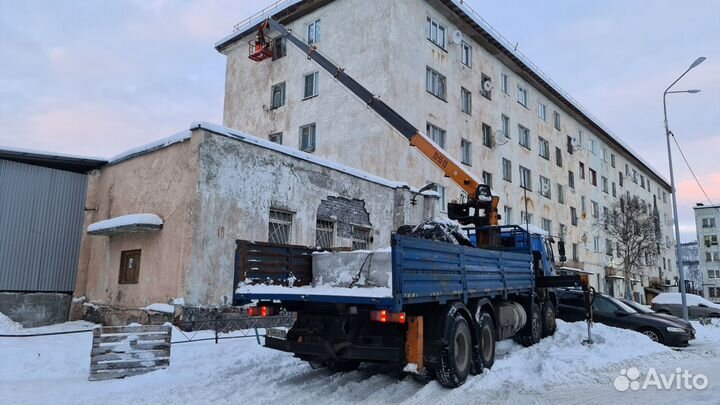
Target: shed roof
70	163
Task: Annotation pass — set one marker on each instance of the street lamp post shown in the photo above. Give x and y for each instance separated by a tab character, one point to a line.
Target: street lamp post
672	184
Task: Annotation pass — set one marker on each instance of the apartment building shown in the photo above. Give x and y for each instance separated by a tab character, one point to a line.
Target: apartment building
707	222
447	71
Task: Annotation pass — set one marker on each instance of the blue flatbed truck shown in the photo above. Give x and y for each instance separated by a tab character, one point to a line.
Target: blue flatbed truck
449	305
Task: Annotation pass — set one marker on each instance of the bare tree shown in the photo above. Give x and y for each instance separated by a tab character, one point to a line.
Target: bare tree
634	229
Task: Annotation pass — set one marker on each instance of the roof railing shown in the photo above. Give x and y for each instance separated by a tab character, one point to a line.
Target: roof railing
262	14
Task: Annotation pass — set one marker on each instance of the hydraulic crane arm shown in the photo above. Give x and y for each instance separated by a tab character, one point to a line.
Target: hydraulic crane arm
481	207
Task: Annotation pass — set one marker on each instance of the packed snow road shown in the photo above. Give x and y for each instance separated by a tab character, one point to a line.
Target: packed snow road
558	370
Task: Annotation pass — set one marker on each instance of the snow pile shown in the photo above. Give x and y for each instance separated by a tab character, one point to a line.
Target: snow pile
676	298
367	268
709	332
159	307
126	220
532	229
437	229
8	326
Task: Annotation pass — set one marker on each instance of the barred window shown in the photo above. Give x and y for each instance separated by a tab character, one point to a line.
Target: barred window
361	238
279	228
324	234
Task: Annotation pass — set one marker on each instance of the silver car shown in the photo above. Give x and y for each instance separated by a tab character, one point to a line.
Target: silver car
698	307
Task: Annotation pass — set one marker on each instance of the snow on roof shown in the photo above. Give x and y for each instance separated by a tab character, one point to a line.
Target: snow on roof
160	307
241	136
158	144
533	229
126	221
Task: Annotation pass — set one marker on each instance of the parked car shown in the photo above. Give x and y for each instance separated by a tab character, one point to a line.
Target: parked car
612	312
698	307
642	309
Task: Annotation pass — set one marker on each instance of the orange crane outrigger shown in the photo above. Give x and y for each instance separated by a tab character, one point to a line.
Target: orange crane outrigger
480	208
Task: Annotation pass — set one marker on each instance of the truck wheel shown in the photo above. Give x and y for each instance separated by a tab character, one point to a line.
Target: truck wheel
485	356
549	324
456	358
531	333
340	366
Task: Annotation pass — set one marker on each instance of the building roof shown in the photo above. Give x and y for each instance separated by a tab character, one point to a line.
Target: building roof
70	163
287	10
703	206
263	143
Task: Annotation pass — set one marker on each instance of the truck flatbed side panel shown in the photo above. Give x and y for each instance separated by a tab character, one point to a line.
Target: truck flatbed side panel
430	271
379	302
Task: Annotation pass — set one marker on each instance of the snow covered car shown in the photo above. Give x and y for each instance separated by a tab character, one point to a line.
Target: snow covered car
612	312
698	307
647	311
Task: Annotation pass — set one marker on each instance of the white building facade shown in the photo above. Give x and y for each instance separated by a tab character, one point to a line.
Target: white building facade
707	220
446	71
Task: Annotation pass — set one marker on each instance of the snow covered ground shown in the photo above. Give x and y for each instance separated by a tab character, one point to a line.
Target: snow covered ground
558	370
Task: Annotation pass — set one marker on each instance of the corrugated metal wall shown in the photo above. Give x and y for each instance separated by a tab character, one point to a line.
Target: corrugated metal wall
41	218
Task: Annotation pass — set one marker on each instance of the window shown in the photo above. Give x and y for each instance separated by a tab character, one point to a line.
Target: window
524	136
593	177
710	240
603	154
614	189
466	149
596	243
311	84
576	252
620	178
360	238
466	54
562	229
558	156
570	147
571	179
276	137
560	193
436	134
486	87
713	273
465	101
507	170
634	176
442	202
712	256
278	95
556	120
525	178
708	222
592	146
546	225
435	83
279	48
436	33
542	111
526	217
279	227
313	32
545	187
606	215
504	83
544	148
487	135
583	205
595	209
505	125
487	179
581	135
582	171
307	138
604	184
507	215
522	96
129	267
664	197
324	234
612	160
573	216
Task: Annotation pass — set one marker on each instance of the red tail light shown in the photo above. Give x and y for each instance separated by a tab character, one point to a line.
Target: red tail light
261	311
385	316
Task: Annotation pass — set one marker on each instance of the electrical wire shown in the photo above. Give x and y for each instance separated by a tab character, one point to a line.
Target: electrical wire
692	171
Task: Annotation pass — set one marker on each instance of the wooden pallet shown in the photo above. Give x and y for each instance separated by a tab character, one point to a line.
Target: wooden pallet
123	351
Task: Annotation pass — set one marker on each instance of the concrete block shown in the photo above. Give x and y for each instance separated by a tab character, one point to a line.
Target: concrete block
35	309
338	269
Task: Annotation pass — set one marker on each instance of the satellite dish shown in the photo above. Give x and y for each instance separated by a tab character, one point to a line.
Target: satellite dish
500	138
487	85
457	37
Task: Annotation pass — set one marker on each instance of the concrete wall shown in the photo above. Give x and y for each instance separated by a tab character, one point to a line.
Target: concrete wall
240	182
383	45
163	182
35	309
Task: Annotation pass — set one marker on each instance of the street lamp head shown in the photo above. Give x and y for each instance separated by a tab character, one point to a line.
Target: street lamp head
694	91
697	62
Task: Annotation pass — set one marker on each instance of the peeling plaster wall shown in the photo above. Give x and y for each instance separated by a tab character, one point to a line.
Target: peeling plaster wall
238	183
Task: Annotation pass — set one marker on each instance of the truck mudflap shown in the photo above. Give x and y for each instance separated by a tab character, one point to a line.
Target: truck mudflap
338	351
